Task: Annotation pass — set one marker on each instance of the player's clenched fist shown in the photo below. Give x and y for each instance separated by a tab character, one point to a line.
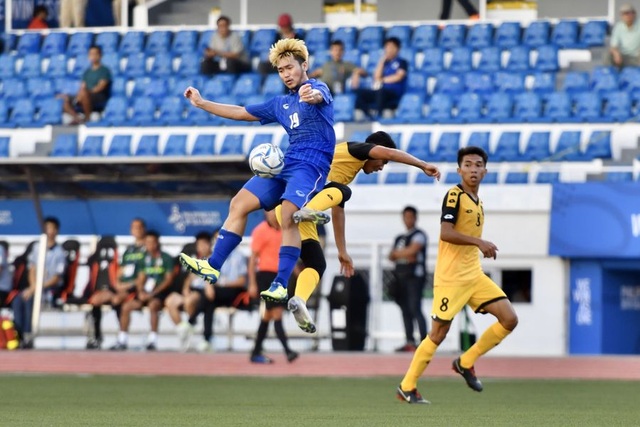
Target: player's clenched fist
307	94
193	95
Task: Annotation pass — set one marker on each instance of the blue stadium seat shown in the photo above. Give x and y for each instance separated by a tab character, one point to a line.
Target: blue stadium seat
143	112
359	135
402	33
176	146
370	38
416	82
568	147
547	177
537	34
273	86
599	145
518	59
593	34
157	42
479	36
490	178
451	36
50	111
544	83
204	145
140	85
576	81
120	146
397	178
12	90
179	84
490	59
537	148
499	107
7	66
261	41
452	178
480	139
508	35
189	64
450	84
367	179
31	66
79	44
203	42
4	145
469	108
184	41
319	58
162	65
255	99
409	55
422	178
433	62
547	58
39	87
29	43
512	83
618	106
111	61
119	86
409	109
92	146
80	64
588	106
343	107
517	178
317	39
565	34
57	67
219	85
447	148
528	107
115	113
147	146
419	145
132	42
9	40
372	60
67	86
604	80
65	145
171	112
460	60
260	138
347	35
440	106
4	118
232	145
508	148
618	176
198	117
629	80
353	55
479	83
136	65
558	107
424	37
247	84
108	42
23	112
54	44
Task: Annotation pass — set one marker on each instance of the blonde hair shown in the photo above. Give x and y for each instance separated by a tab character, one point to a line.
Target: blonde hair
288	47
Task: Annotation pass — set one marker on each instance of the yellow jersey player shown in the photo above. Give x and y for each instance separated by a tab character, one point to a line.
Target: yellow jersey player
349	158
459	279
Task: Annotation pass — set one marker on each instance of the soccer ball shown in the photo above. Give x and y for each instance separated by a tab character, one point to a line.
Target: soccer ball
266	160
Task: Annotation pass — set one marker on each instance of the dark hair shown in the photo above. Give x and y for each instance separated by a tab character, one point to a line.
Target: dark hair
466	151
40	9
141	221
203	235
337	43
411	209
52	220
95	46
153	233
393	40
381	138
224	18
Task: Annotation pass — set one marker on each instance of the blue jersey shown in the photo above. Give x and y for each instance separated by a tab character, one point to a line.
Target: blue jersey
310	126
389	69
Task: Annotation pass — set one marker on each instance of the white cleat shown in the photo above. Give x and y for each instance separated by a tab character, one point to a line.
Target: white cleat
299	310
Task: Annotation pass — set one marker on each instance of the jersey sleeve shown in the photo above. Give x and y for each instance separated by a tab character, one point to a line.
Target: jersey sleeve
450	206
266	111
324	90
360	150
404	65
419	238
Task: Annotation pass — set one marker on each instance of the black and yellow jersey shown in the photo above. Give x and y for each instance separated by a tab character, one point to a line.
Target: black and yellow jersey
348	160
460	264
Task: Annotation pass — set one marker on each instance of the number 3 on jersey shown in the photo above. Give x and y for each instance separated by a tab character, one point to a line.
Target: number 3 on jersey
295	121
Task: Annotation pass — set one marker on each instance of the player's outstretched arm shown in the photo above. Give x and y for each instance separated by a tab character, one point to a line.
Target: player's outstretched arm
346	263
450	235
391	154
309	95
233	112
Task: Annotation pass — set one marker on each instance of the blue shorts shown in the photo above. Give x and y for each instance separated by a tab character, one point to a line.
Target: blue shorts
298	183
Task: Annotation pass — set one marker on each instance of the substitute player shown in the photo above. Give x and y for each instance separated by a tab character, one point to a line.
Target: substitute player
459	279
306	113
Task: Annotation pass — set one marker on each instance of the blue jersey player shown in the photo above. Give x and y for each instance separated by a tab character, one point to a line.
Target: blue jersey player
306	113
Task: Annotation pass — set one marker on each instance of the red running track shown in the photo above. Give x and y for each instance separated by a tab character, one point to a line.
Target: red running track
310	365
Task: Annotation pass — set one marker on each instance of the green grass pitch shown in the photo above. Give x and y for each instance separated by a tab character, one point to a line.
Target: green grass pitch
47	400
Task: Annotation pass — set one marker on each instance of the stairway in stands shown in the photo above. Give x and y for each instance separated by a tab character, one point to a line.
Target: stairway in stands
182	12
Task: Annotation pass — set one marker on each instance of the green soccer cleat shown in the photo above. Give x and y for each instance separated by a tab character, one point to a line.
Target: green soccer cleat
309	215
200	267
276	293
299	310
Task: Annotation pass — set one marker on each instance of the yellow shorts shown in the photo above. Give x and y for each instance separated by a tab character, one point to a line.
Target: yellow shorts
308	230
449	300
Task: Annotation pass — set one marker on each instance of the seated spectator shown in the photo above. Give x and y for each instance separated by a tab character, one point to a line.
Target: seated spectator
389	82
5	274
154	277
285	31
39	20
226	53
625	40
54	269
94	91
72	13
336	71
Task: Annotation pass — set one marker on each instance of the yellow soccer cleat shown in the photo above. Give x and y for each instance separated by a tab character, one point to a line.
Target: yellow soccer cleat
200	267
276	293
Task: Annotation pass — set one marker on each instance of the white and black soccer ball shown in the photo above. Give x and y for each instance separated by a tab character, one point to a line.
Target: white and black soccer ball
266	160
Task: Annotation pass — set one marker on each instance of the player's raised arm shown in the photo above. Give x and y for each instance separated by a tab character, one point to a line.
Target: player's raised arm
393	155
227	111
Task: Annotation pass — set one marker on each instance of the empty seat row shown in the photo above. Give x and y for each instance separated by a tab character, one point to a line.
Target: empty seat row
450	178
25	113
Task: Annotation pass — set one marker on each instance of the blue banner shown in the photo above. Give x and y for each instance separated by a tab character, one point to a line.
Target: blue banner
595	220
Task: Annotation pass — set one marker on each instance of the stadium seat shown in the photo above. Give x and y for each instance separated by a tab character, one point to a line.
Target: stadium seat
419	145
23	112
469	108
402	33
317	39
177	85
512	83
409	109
189	64
440	106
517	178
452	178
508	35
29	43
568	147
347	35
184	41
433	62
447	148
4	145
547	58
416	82
110	60
255	99
115	113
343	107
490	178
618	106
367	179
261	41
353	55
4	117
499	107
480	139
57	67
558	107
599	145
108	42
132	42
219	85
508	148
518	59
565	34
232	145
479	36
203	41
604	80
537	148
450	84
158	42
31	66
359	136
162	65
618	176
66	86
92	146
204	145
143	112
79	44
80	65
319	58
422	178
451	36
49	111
119	86
12	90
593	34
198	117
140	85
135	65
120	146
7	66
424	37
576	81
260	138
479	83
147	146
409	55
65	145
588	106
176	146
547	177
544	83
527	107
40	88
397	178
246	85
460	60
490	59
370	38
273	86
54	44
629	80
171	112
536	34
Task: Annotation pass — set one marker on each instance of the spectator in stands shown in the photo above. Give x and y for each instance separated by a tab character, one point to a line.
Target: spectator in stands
409	254
54	268
39	20
625	39
336	71
285	31
72	13
389	82
94	91
154	277
226	53
472	12
5	275
117	11
263	268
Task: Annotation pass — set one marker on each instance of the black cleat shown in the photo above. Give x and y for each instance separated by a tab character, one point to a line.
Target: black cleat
469	375
94	344
118	347
292	355
151	347
412	396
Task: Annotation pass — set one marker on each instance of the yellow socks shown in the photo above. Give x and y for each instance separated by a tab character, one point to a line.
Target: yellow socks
307	281
327	198
421	358
489	339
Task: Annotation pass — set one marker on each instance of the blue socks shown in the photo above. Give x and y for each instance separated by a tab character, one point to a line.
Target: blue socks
288	258
226	243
